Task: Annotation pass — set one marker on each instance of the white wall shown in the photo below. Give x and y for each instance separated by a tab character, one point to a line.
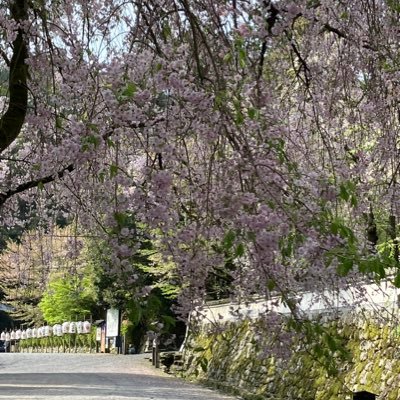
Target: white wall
371	296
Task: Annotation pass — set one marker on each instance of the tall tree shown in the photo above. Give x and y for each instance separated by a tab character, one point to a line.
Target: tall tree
256	135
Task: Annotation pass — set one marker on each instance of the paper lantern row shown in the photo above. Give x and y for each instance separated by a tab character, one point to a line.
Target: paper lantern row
46	331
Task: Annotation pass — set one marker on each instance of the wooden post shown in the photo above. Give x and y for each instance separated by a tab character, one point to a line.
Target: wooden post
156	353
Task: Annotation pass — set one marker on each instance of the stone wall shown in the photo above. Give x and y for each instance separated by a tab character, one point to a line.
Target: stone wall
238	358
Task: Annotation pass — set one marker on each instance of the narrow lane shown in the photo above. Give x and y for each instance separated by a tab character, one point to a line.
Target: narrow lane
91	377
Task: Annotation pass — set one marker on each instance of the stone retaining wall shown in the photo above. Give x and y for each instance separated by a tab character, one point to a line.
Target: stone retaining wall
238	359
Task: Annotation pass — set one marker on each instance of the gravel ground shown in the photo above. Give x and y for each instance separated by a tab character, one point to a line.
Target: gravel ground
91	376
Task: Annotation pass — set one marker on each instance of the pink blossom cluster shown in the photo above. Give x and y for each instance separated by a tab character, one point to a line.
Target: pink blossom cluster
259	133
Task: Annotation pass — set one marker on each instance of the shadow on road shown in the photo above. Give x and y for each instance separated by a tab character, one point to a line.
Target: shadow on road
87	385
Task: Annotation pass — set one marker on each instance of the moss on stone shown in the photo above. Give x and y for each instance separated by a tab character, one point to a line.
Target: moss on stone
237	358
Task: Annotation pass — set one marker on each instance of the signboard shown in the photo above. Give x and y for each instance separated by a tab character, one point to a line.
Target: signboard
98	334
112	322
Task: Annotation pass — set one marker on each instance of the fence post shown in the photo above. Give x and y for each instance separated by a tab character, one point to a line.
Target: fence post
156	353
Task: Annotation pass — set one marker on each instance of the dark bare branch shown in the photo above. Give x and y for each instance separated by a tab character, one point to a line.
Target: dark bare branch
5	58
11	122
34	183
60	174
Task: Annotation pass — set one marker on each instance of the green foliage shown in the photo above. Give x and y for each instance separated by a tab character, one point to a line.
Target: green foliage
219	280
329	360
347	192
89	142
288	244
152	312
141	312
394	5
162	273
67	298
241	52
129	91
323	343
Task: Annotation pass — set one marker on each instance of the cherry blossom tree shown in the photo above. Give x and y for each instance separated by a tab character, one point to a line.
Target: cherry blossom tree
27	267
263	135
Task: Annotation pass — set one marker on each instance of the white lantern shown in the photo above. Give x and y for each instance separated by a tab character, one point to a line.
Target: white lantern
34	333
8	336
72	327
18	334
58	330
12	335
65	327
3	336
87	327
23	335
79	327
47	331
39	332
28	333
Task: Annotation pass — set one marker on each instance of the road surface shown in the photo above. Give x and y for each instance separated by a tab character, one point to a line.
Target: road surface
91	377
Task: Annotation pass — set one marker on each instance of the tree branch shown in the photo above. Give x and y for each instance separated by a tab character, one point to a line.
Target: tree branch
69	168
5	58
11	122
34	183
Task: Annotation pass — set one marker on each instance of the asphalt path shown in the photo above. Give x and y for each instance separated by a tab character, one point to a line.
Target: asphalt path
92	377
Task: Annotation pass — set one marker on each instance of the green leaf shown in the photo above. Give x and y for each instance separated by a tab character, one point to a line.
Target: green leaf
252	113
239	118
331	342
347	192
93	127
166	30
113	170
334	227
130	90
318	351
58	122
380	270
227	57
242	57
229	238
338	228
220	99
353	200
241	52
120	218
239	252
397	280
168	320
89	141
346	264
343	193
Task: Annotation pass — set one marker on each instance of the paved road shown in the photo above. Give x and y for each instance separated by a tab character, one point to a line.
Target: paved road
91	377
